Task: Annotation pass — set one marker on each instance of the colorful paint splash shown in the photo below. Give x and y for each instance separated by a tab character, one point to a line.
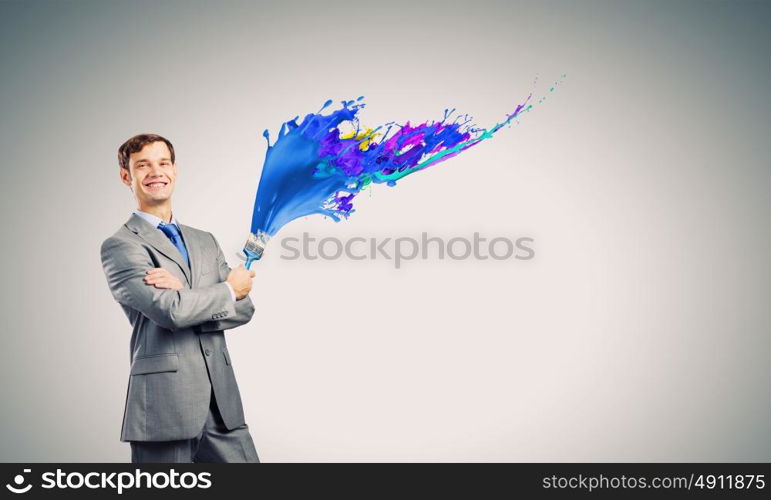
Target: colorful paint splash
316	167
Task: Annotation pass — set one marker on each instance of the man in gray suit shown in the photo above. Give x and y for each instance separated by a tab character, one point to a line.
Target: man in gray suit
179	294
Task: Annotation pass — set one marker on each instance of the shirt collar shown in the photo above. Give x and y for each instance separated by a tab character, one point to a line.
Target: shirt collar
154	220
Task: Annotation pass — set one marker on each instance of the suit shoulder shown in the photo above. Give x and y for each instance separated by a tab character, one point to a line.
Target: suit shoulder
121	234
119	238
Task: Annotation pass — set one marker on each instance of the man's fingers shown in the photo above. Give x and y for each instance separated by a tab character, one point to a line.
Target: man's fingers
162	278
251	274
158	273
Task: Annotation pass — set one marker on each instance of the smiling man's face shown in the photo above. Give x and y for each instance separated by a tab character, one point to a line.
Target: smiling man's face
151	174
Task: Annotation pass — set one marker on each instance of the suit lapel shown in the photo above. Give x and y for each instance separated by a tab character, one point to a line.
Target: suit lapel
193	251
160	242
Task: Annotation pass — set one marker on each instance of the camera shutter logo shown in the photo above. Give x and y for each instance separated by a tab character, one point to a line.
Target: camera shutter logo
18	480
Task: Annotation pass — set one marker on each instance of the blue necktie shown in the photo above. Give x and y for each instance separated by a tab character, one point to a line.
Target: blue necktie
172	231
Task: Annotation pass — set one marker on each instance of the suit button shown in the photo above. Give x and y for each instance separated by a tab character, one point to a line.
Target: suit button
207	352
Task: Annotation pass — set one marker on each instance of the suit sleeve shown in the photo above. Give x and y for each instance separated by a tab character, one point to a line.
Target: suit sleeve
126	263
244	307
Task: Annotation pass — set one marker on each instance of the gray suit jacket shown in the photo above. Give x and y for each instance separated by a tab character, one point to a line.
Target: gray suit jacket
178	351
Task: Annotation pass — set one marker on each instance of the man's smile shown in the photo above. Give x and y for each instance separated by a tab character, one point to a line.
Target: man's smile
155	185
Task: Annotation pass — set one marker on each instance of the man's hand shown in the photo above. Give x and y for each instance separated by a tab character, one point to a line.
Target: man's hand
162	278
241	281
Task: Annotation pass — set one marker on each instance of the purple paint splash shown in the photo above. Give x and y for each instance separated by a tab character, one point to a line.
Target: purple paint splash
315	168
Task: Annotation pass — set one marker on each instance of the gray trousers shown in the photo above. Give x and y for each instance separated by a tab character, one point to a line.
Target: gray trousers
215	443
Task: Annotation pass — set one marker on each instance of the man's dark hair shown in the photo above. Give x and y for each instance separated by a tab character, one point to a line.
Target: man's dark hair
136	143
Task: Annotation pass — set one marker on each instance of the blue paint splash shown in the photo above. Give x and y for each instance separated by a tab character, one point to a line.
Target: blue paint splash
314	167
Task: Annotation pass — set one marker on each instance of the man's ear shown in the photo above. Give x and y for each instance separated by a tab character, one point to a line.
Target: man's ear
125	176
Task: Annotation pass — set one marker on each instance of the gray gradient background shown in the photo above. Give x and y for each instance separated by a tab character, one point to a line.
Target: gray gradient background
640	331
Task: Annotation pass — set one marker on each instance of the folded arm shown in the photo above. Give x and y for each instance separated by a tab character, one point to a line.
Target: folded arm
125	264
244	307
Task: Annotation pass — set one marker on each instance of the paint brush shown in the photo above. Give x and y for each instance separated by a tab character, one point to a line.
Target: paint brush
254	247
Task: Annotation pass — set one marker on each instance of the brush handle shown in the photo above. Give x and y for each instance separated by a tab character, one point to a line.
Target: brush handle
249	261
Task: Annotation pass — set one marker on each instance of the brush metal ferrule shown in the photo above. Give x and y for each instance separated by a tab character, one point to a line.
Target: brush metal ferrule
255	246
